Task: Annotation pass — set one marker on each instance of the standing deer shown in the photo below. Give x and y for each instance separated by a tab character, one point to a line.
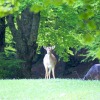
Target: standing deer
49	62
93	73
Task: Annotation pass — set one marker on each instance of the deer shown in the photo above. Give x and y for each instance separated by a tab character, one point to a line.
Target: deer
49	62
93	73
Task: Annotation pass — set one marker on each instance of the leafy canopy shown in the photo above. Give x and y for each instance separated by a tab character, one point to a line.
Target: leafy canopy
65	23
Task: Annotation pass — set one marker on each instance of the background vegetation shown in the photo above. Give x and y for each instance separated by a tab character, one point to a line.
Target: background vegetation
26	26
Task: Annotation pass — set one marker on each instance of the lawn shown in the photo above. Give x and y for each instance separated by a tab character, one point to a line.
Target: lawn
54	89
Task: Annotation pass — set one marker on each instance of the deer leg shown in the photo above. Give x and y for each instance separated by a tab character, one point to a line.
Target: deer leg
46	73
97	77
53	73
49	72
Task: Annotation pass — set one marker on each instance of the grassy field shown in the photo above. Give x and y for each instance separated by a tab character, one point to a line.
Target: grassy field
41	89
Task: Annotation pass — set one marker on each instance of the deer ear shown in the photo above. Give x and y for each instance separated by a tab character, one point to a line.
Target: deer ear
53	47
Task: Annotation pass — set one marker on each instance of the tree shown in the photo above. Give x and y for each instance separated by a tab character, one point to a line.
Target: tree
24	32
57	27
24	25
25	37
90	38
2	34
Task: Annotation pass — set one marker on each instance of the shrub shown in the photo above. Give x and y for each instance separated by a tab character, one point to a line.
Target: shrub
10	66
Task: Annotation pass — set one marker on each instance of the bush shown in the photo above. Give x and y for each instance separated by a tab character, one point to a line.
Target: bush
10	66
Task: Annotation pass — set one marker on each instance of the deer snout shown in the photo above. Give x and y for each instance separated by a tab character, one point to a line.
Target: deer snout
48	52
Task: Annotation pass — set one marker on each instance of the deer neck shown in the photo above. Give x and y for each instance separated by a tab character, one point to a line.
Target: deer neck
49	54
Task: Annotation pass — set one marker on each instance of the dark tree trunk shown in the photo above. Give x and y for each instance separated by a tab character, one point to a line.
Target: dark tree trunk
2	34
25	36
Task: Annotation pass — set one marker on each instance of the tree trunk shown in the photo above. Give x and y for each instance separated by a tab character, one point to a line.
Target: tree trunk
2	34
25	36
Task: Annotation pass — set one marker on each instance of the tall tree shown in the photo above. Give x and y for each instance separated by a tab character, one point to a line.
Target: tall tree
2	34
26	28
25	36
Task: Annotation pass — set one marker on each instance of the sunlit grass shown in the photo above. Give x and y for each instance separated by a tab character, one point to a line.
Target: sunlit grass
41	89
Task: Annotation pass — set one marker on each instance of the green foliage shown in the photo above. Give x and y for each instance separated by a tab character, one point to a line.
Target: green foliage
8	7
92	39
57	28
10	44
10	66
88	38
67	23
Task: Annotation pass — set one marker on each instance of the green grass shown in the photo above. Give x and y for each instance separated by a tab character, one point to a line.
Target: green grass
41	89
